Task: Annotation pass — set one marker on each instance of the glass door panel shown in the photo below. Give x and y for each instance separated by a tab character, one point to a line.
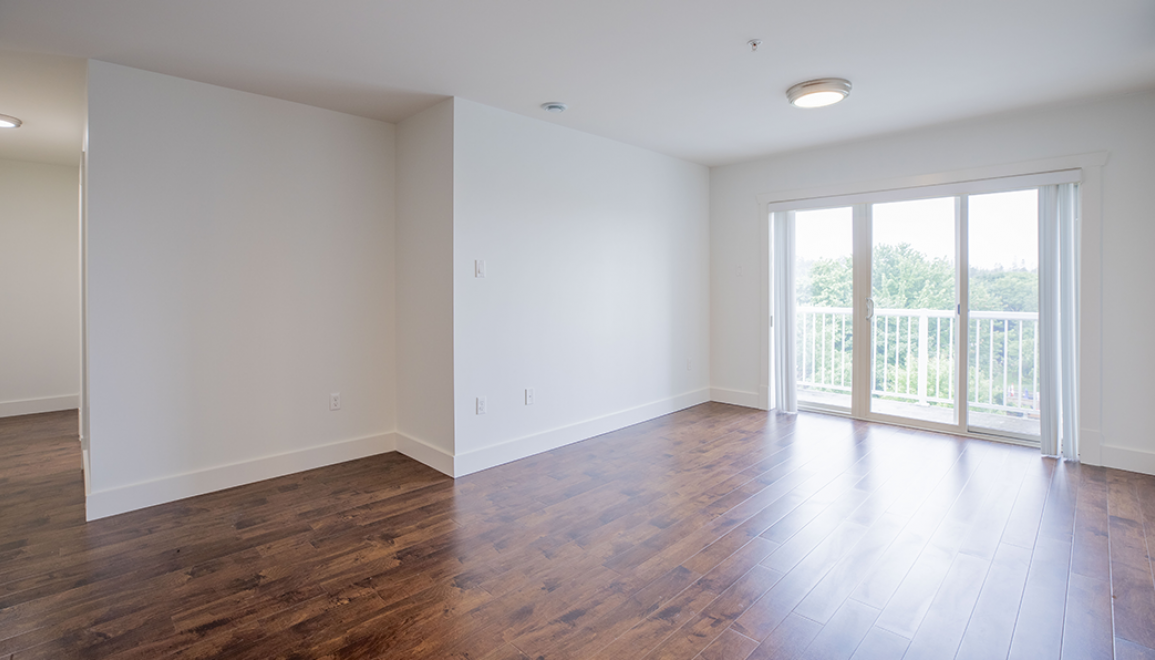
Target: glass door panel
914	324
1003	283
823	285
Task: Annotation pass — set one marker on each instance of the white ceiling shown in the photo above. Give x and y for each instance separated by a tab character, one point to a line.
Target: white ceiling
674	76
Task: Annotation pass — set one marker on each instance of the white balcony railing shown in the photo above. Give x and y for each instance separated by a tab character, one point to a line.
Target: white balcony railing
913	356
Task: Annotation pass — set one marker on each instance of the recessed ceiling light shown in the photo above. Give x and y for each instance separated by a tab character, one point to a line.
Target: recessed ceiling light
554	106
7	121
817	93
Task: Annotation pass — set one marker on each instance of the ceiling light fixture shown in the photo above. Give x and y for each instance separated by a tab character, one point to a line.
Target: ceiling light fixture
7	121
817	93
554	106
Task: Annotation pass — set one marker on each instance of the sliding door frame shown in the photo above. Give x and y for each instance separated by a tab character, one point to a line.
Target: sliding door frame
863	323
863	393
1084	169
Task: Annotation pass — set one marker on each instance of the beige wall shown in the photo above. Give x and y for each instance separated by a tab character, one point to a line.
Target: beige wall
39	287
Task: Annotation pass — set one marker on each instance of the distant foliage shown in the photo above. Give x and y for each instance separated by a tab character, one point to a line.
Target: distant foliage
905	278
828	283
1005	290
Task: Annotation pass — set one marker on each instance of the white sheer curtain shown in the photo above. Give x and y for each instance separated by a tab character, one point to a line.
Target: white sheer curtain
785	394
1059	320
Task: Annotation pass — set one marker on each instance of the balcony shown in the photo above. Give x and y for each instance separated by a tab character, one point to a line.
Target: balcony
913	371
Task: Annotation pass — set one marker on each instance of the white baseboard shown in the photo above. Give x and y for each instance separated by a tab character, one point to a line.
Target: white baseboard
735	397
506	452
423	452
33	406
102	504
1131	460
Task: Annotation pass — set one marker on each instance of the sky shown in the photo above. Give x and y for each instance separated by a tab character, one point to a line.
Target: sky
1003	229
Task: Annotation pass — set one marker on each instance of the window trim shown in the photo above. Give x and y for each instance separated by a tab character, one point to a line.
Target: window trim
911	193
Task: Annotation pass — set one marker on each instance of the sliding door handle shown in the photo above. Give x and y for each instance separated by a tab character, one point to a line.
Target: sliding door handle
869	308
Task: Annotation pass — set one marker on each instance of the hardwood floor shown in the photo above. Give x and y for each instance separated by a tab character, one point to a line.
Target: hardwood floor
717	533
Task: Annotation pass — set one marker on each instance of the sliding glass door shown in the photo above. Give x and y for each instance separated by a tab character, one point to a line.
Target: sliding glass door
1003	304
824	301
912	308
943	293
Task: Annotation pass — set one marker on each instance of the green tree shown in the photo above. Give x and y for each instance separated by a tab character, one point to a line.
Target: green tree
1001	290
830	283
904	278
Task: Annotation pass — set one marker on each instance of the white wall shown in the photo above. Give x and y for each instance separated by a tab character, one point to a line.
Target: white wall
425	285
39	287
1122	126
240	260
597	286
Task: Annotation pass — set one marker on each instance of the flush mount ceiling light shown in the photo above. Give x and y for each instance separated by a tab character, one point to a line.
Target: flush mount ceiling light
7	121
817	93
554	106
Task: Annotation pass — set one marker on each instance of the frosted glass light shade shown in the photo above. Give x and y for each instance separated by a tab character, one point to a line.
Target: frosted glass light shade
818	93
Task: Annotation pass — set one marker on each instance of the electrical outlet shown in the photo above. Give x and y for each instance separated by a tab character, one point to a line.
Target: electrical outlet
480	405
335	401
529	396
689	365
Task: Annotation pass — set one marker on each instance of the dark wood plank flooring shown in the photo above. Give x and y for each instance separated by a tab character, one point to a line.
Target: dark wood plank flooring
717	533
